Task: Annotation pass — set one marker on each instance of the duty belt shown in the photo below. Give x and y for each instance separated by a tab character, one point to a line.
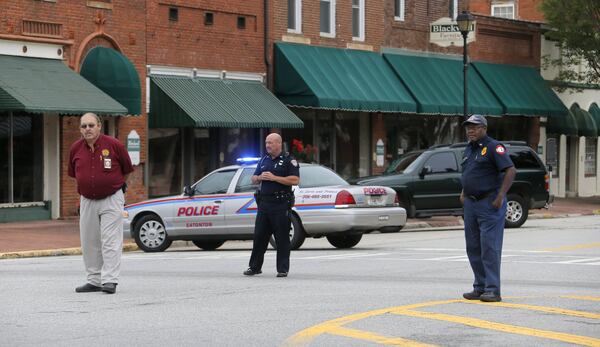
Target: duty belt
482	196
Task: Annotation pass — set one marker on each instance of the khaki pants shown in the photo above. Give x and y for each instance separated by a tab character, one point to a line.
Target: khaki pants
101	232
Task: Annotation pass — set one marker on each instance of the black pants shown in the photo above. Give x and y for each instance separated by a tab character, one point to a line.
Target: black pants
271	222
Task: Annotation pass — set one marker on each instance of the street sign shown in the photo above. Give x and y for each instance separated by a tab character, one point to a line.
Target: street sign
444	32
133	147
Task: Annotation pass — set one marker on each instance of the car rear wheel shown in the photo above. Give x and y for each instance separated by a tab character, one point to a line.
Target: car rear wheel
208	245
297	233
344	241
516	211
150	234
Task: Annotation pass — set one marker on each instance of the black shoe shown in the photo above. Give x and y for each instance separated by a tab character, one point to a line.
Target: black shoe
490	297
474	295
88	288
282	274
251	272
109	288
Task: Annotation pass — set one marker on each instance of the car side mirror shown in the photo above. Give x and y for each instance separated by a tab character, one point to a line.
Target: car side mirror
187	190
424	171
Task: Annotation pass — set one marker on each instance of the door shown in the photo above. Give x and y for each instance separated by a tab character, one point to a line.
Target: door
203	213
438	187
240	208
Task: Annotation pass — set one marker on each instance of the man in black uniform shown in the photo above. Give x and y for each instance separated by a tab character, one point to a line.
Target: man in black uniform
275	174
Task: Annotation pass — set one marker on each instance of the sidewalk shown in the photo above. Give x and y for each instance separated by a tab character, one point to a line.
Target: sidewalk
61	237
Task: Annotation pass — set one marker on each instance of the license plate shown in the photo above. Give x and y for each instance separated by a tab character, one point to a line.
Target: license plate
384	218
375	200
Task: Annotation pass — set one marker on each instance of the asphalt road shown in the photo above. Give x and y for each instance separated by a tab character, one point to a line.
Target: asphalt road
402	289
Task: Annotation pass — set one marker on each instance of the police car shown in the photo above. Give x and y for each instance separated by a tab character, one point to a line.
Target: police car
221	207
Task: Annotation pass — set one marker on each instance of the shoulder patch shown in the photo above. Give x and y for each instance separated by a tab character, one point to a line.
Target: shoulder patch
500	149
294	162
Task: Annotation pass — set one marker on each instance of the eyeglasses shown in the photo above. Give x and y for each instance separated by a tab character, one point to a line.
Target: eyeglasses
89	125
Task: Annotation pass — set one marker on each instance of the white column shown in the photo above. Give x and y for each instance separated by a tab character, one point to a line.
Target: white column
52	162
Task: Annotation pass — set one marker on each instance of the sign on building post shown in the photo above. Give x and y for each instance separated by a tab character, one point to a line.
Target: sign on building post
444	32
133	147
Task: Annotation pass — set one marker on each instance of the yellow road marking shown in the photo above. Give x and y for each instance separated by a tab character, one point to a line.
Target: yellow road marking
582	297
553	310
507	328
573	247
304	337
372	337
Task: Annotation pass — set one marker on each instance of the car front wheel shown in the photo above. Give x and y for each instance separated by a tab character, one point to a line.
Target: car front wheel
297	234
516	211
210	245
344	241
150	234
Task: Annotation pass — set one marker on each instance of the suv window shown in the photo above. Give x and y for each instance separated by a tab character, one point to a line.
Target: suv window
524	158
442	163
244	184
215	183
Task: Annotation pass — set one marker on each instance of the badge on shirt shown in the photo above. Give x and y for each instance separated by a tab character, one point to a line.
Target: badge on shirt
500	149
294	162
484	151
107	163
105	152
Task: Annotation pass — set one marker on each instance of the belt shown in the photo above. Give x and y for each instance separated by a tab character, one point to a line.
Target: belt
482	196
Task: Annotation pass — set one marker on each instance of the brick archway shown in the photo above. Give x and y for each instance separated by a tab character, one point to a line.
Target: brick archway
94	40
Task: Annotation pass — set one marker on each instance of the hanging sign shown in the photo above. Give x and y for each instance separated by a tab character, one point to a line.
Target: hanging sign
444	32
133	147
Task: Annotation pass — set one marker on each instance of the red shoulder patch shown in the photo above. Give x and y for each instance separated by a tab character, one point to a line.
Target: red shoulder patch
500	149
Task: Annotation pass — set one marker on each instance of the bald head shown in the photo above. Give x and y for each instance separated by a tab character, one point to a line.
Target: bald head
273	144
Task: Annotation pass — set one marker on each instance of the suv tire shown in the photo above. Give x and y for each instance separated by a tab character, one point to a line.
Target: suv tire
517	211
344	241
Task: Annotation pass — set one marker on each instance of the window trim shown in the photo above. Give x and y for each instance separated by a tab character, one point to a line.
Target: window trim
361	21
504	5
298	18
399	9
594	152
330	34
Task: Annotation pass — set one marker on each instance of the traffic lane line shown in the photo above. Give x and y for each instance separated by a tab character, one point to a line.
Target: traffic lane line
573	247
507	328
372	337
545	309
304	337
582	297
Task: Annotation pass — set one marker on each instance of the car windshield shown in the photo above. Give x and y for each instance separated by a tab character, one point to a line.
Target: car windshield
319	176
400	164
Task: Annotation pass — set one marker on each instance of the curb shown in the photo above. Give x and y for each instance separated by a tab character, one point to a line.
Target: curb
128	247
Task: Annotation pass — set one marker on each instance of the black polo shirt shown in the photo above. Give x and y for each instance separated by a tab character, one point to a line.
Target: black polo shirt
283	165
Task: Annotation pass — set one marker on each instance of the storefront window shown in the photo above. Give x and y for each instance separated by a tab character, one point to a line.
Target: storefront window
24	159
237	143
347	145
410	133
164	152
299	142
509	128
202	154
590	156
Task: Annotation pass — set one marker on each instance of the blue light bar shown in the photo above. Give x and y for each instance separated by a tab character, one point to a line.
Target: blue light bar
247	160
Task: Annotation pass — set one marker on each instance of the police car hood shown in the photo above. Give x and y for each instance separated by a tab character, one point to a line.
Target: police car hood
149	201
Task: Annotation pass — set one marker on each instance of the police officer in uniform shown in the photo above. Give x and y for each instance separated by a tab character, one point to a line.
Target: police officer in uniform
275	174
487	174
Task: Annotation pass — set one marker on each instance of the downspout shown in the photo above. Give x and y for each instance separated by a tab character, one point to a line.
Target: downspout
266	42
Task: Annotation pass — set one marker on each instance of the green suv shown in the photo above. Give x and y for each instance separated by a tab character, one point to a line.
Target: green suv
428	182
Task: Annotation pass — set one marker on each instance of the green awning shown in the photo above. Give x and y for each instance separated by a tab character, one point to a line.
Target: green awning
338	79
47	85
565	125
177	102
595	113
585	122
436	83
521	90
115	75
